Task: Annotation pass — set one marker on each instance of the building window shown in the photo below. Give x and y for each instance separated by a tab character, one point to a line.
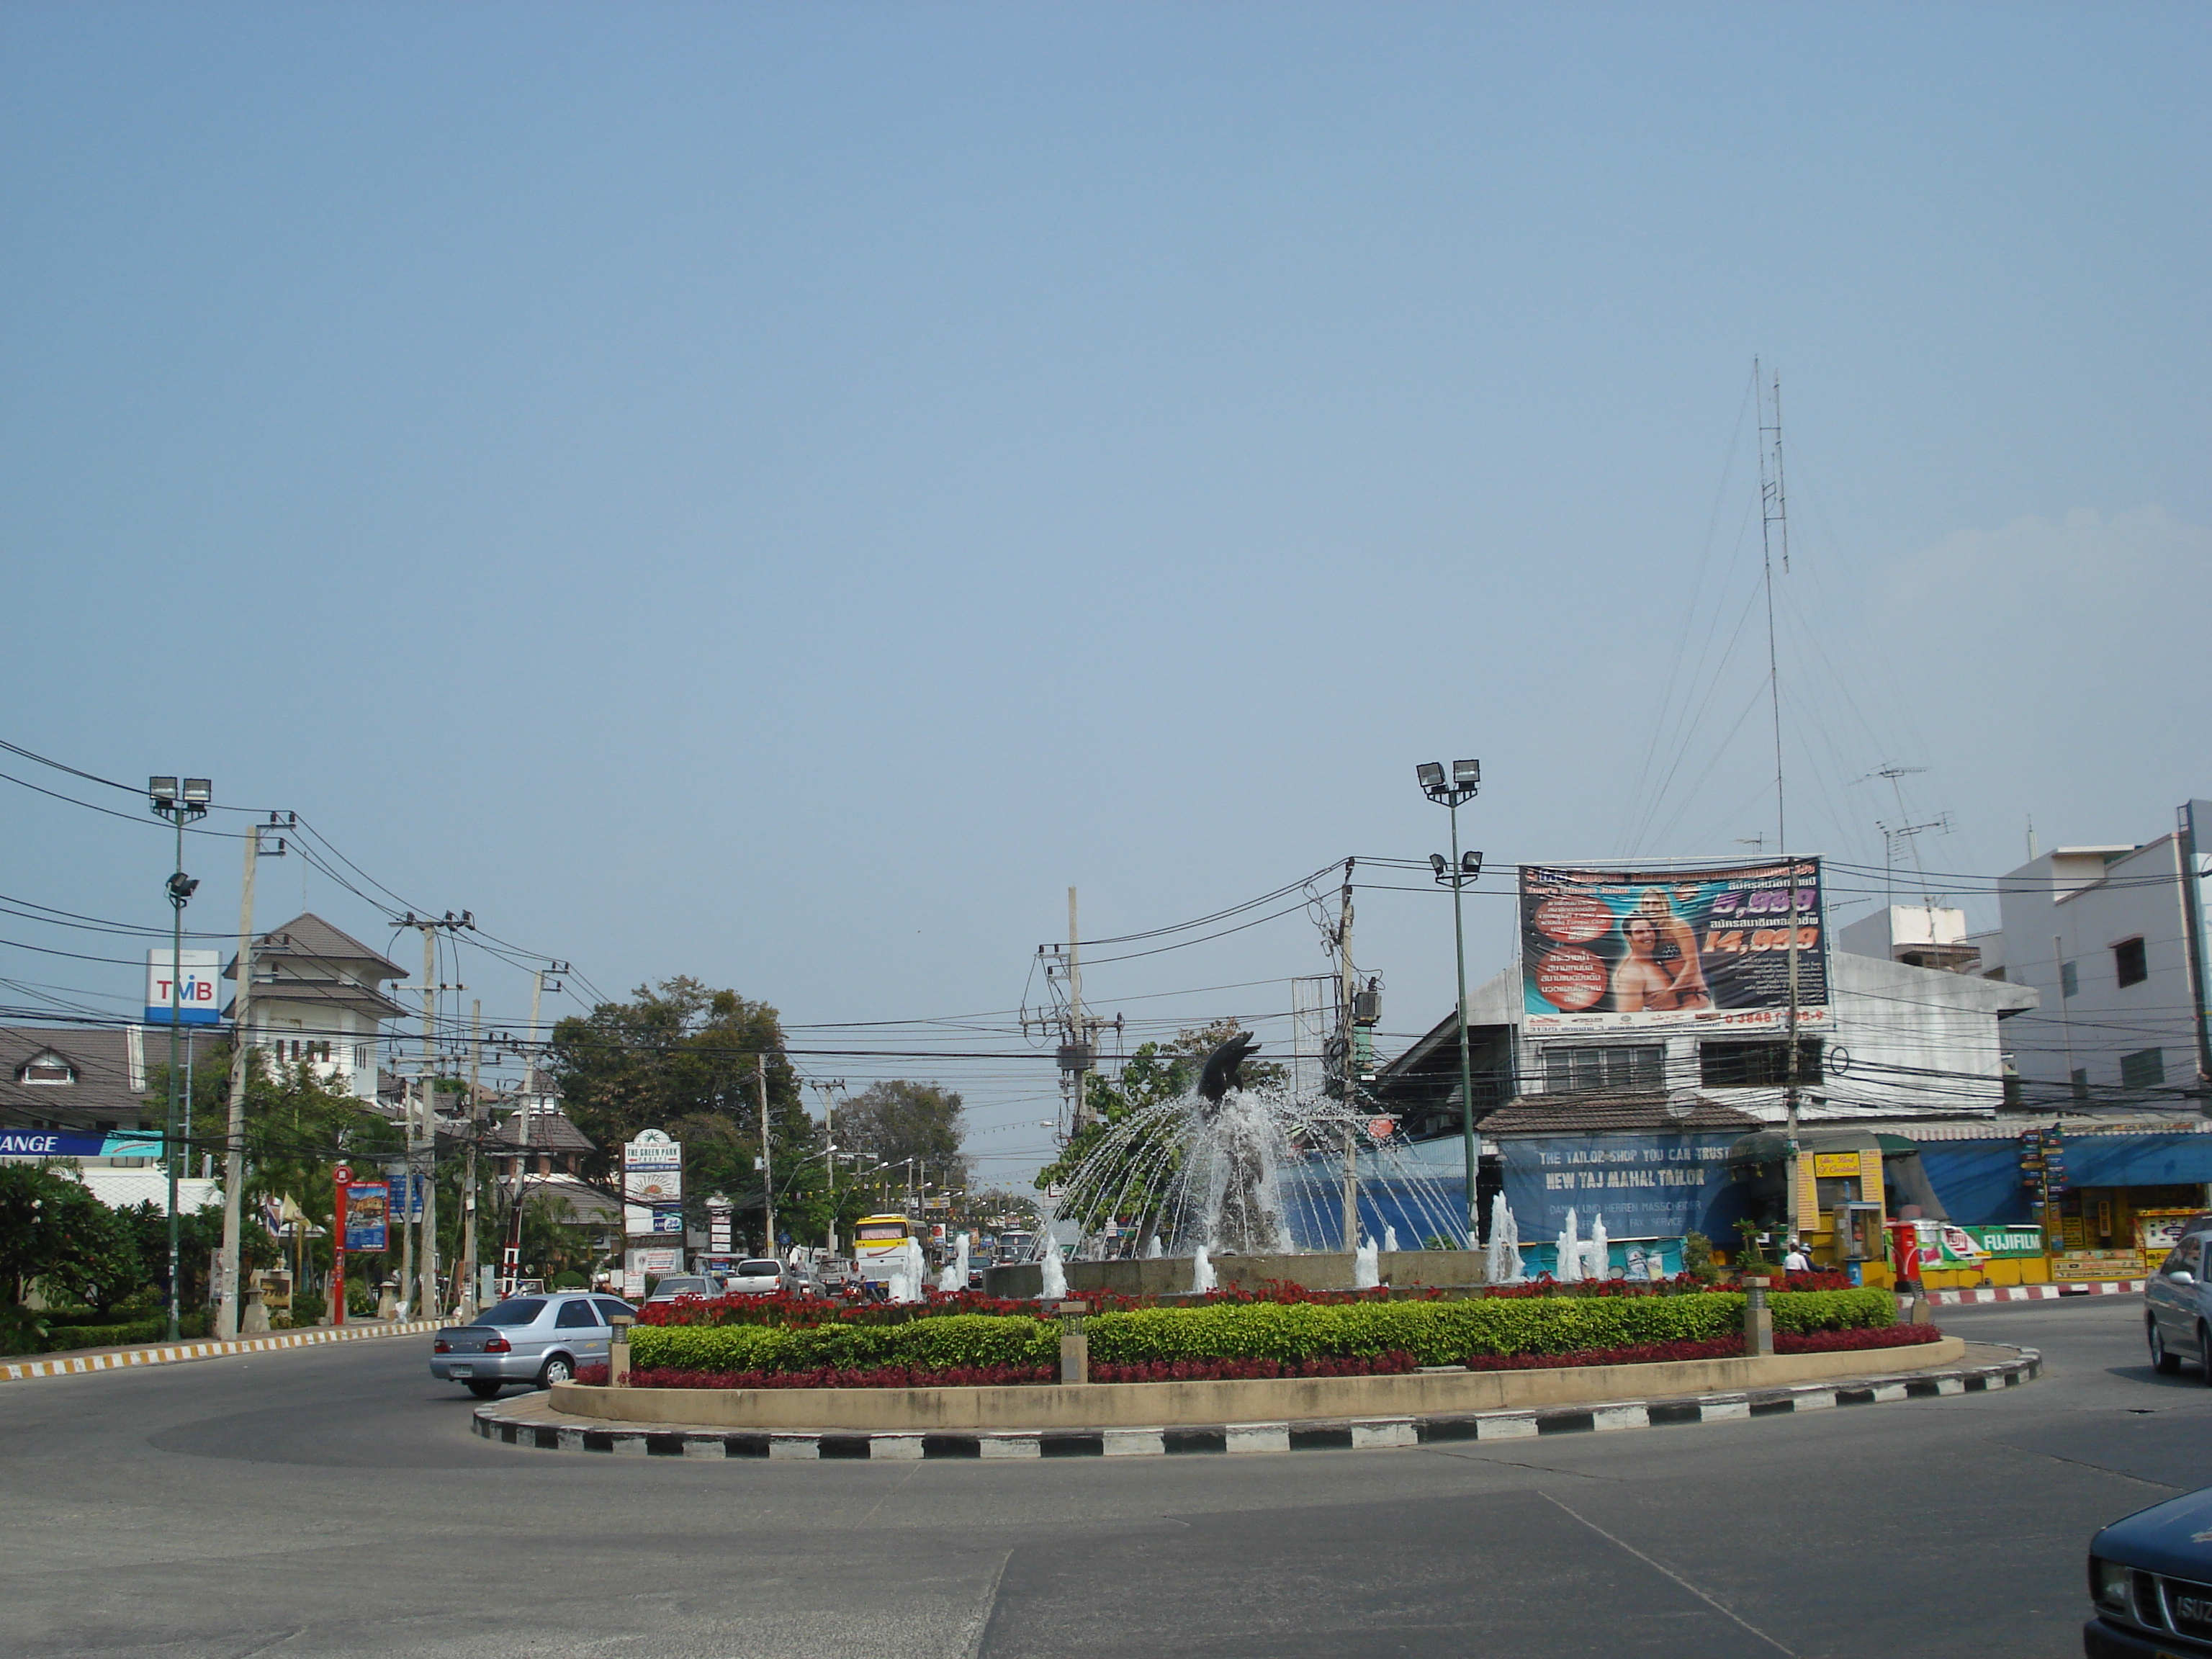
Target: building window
1756	1065
361	1056
2080	1081
2130	962
2143	1069
2069	980
1573	1067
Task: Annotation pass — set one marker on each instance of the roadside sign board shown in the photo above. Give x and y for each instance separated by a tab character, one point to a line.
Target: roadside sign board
368	1216
198	976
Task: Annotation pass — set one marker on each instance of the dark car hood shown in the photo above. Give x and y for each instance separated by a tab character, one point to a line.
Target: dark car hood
2174	1537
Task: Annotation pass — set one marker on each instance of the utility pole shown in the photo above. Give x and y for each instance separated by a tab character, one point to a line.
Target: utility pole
467	1299
1079	1108
1773	535
242	1066
1345	985
424	1150
767	1180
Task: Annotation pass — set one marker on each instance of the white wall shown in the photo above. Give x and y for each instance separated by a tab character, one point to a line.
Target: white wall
2089	899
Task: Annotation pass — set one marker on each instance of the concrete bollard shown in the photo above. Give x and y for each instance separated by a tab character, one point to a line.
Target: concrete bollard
619	1354
1074	1343
1758	1319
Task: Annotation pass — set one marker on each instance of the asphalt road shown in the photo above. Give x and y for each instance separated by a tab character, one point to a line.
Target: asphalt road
331	1501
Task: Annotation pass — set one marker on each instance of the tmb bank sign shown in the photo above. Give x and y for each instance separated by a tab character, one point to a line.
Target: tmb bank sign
198	976
1645	1186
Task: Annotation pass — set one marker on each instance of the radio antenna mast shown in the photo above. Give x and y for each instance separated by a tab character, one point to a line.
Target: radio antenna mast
1773	539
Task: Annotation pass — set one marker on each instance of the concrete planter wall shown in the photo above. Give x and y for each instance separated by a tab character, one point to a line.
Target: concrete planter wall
1117	1405
1400	1269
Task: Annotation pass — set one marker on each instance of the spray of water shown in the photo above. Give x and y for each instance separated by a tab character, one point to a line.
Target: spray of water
1202	1271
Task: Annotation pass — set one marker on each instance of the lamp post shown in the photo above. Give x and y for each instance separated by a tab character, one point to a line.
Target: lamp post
180	805
1464	783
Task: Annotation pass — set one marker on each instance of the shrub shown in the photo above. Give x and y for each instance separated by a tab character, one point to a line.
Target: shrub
930	1345
1718	1348
879	1377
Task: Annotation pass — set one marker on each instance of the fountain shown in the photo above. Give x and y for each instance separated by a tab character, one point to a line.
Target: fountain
1598	1253
1055	1272
1201	1272
954	1275
1389	1239
1366	1268
1505	1244
1569	1268
1254	1174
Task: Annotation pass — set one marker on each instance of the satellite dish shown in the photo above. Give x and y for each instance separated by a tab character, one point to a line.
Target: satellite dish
1681	1103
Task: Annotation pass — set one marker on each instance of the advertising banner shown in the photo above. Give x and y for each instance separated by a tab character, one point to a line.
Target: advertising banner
80	1143
1658	949
198	976
368	1212
652	1171
1645	1186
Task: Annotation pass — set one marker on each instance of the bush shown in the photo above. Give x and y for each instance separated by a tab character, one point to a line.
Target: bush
880	1377
937	1344
1449	1333
1718	1348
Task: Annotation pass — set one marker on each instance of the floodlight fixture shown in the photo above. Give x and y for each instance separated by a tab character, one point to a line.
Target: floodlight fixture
198	791
1430	772
163	790
1437	864
1470	864
1466	774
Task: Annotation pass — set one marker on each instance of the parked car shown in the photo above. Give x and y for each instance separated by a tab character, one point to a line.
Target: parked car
2150	1581
539	1339
835	1272
676	1284
2177	1308
761	1276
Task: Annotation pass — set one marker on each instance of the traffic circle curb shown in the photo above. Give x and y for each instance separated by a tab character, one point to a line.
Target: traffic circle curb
530	1422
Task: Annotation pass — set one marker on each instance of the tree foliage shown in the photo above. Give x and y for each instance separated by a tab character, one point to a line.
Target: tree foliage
896	1120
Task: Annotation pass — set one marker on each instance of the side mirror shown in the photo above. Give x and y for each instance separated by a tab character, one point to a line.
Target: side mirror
2182	1276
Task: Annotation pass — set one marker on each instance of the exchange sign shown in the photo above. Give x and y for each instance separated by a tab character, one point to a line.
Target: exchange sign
1672	949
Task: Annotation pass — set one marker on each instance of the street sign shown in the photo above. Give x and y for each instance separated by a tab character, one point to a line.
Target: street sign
1382	1128
367	1210
343	1175
197	976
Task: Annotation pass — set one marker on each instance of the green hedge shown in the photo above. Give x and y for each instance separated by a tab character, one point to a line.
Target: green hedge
1446	1332
1434	1333
930	1344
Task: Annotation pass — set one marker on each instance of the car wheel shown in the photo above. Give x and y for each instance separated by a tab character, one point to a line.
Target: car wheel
557	1370
2164	1364
486	1388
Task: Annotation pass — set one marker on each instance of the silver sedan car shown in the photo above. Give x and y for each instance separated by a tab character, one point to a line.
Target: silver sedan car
2177	1306
536	1339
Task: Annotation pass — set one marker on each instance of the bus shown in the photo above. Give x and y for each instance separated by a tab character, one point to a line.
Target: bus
876	1242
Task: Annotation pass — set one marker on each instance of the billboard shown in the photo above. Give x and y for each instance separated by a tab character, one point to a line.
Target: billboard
1661	950
199	974
1652	1185
367	1215
653	1183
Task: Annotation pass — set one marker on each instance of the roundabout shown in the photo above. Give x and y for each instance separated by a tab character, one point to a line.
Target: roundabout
1196	1418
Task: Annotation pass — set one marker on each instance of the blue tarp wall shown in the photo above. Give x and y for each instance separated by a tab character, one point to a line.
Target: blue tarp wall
1979	1182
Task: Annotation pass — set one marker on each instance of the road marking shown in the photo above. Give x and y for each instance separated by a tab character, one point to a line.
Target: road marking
1718	1606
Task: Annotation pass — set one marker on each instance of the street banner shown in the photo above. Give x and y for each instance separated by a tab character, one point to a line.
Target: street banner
1659	950
198	976
405	1193
368	1216
68	1143
1646	1186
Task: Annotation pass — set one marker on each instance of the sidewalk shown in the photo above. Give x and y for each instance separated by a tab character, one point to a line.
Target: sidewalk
171	1353
2036	1292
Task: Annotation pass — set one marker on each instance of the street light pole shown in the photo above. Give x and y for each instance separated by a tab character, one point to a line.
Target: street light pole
180	807
1464	783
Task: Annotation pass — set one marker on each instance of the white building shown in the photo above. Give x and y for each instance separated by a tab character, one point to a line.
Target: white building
2103	933
1898	1041
317	999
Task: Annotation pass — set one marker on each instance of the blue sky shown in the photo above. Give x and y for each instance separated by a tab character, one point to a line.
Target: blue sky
779	492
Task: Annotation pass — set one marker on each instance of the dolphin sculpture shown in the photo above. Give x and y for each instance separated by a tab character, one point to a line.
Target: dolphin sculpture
1225	1067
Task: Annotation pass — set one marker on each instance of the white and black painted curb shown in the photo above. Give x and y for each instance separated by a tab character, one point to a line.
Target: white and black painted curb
18	1370
2035	1292
512	1426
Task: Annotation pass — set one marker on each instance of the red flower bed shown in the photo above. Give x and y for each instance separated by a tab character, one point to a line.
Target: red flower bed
1244	1370
883	1377
1718	1348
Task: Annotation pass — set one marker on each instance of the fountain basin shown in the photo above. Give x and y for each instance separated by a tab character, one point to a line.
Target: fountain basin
1139	1404
1170	1275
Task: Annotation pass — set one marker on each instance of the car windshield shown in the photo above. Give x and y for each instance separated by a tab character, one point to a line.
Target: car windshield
523	1311
758	1269
682	1287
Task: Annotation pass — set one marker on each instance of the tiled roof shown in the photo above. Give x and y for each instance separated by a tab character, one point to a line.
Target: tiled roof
308	935
1636	1111
108	1084
549	1131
